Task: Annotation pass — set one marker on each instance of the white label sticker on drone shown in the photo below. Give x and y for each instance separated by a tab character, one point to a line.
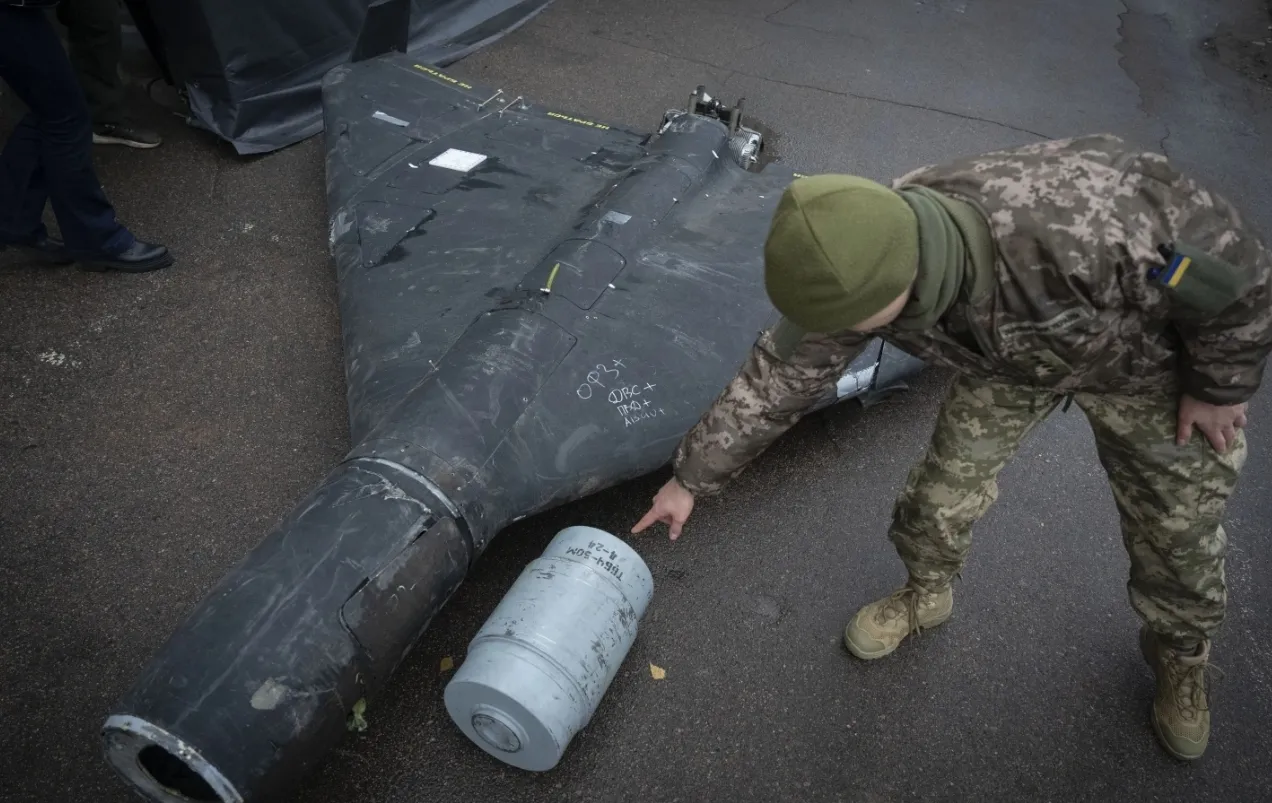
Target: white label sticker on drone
388	118
455	159
616	217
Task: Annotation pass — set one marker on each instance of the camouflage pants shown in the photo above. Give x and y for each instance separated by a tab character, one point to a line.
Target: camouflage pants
1171	498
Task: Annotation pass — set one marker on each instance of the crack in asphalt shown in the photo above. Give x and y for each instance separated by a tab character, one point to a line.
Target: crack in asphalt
797	26
1122	46
837	92
780	11
1125	47
769	20
903	104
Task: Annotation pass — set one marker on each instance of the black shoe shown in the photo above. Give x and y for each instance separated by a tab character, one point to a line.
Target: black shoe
44	249
125	134
139	258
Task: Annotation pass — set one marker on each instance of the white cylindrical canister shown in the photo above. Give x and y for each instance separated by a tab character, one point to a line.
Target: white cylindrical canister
538	667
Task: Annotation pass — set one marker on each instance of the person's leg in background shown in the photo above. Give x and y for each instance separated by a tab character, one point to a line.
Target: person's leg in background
1171	500
49	156
978	429
96	45
23	195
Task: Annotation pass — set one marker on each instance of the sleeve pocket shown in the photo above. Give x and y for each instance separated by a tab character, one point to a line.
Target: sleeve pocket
1200	282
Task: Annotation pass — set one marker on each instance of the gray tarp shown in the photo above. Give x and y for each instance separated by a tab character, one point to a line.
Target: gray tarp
253	68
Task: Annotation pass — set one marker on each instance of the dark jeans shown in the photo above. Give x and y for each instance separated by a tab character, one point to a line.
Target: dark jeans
49	154
96	43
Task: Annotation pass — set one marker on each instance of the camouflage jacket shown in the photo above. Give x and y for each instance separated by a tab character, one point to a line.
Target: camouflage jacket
1078	303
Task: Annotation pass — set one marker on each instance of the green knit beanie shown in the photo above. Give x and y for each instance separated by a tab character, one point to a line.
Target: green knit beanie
841	249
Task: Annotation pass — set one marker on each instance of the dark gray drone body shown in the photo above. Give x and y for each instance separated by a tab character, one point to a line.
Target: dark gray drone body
535	307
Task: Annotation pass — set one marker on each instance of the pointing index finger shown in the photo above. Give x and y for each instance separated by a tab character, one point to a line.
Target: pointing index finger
649	518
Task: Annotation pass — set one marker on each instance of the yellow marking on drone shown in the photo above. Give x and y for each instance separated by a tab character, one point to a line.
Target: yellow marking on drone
578	120
547	288
443	76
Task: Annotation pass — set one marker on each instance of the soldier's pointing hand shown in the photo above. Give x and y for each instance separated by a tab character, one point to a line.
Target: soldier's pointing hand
672	505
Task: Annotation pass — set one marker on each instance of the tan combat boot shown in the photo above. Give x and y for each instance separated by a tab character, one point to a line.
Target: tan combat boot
878	628
1181	714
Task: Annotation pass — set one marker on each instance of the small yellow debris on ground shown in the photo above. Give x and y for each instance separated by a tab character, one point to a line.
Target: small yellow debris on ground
357	718
448	664
657	672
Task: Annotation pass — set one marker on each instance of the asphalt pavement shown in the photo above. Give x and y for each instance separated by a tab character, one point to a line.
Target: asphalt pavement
152	428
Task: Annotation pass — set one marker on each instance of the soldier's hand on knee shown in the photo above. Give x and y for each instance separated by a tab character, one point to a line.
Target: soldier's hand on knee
672	505
1219	423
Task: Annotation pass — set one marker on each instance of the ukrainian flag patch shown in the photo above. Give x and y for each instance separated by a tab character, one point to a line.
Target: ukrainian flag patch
1174	271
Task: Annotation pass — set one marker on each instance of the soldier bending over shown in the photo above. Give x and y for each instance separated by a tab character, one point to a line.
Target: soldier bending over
1076	271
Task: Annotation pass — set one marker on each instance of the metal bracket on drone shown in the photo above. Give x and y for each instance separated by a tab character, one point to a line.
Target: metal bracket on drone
745	144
